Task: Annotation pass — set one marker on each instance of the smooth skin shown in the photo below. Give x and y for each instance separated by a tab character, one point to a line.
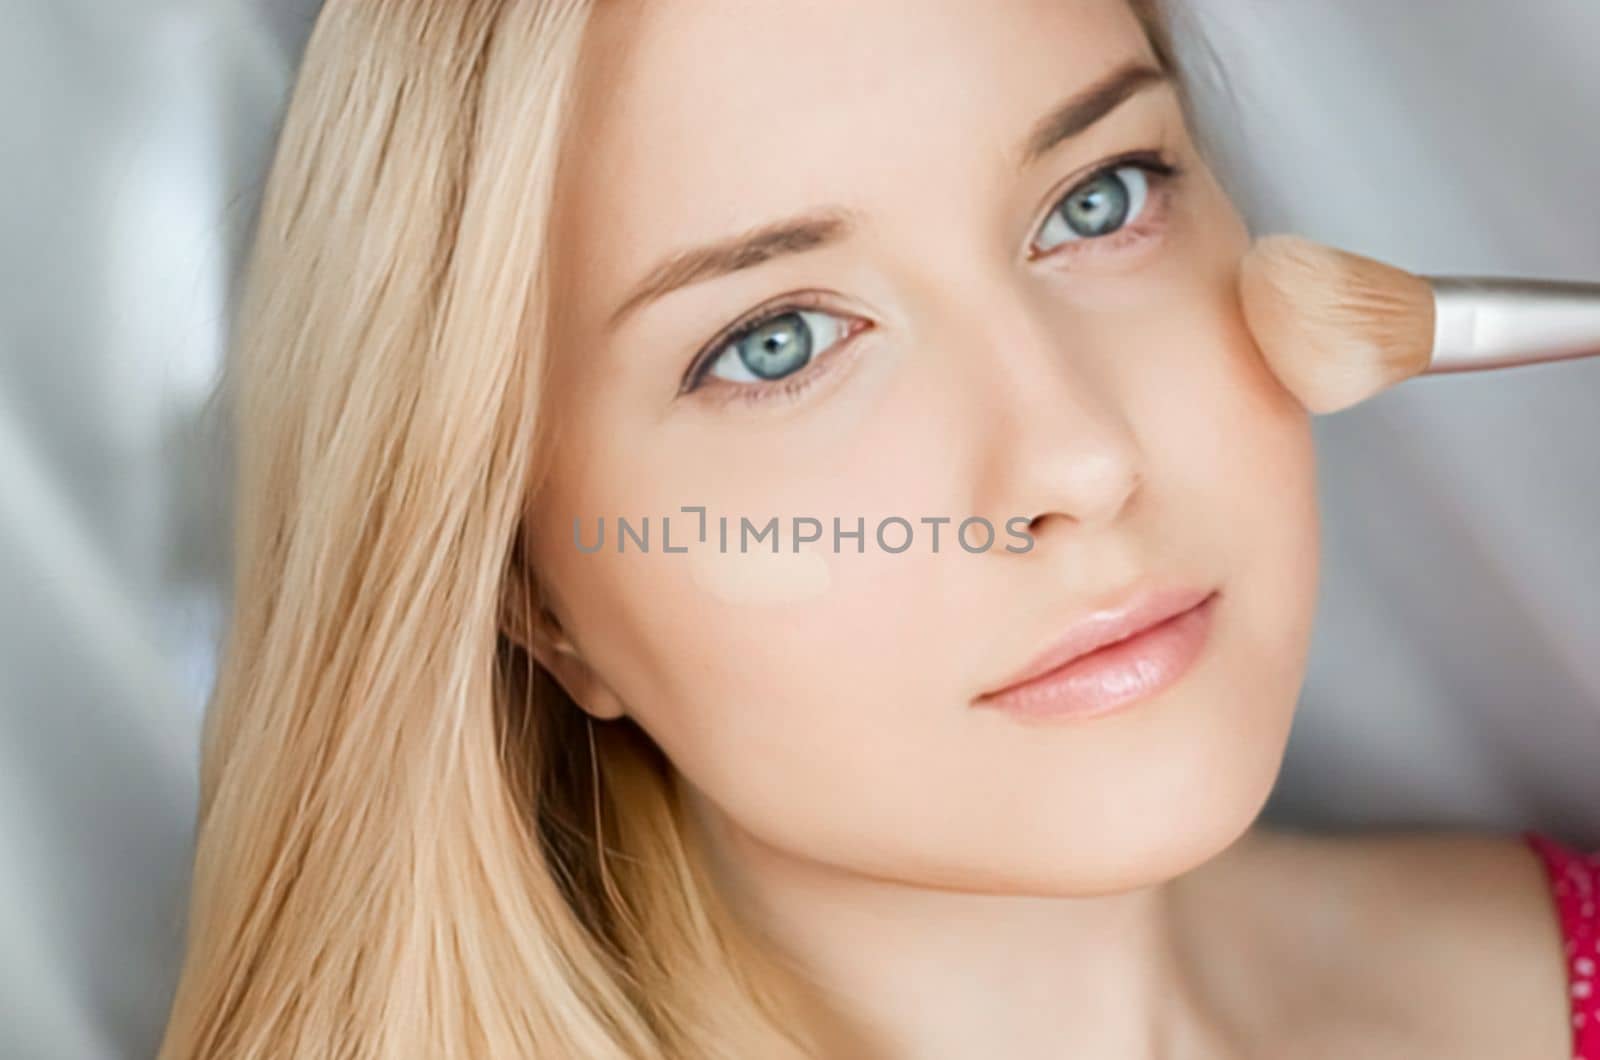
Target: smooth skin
964	884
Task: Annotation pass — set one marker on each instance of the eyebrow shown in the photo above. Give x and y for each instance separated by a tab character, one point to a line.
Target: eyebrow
1082	111
792	236
831	225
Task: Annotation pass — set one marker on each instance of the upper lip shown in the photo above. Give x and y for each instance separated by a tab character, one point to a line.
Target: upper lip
1135	614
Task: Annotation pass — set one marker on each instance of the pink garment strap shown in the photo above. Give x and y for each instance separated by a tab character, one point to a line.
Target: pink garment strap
1575	884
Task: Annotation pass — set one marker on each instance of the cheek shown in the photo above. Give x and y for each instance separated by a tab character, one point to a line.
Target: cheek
752	670
715	640
1230	457
1231	446
1239	463
788	714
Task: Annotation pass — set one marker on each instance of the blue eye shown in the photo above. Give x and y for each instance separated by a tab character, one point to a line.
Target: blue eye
776	347
1102	205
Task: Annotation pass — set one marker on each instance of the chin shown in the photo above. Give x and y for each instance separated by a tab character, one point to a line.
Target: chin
1149	852
1155	854
1187	793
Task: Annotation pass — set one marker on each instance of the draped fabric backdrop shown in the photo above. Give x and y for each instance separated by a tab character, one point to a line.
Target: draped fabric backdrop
1455	677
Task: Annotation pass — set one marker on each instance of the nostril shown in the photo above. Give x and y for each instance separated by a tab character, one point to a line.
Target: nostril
1092	497
1041	522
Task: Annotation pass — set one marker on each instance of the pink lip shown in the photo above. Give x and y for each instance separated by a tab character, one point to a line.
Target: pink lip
1112	658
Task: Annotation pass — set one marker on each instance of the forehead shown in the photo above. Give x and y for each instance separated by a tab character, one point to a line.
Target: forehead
705	117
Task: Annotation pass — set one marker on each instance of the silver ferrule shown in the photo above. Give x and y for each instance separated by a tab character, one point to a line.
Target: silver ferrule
1496	323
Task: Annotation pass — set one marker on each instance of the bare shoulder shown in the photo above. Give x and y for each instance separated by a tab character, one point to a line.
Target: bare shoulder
1451	939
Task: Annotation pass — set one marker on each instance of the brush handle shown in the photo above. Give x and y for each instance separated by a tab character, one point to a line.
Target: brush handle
1484	323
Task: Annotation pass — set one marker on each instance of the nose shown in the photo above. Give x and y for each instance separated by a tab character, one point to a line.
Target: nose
1057	446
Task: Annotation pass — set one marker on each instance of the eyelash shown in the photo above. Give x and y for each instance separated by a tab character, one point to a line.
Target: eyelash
790	387
1161	171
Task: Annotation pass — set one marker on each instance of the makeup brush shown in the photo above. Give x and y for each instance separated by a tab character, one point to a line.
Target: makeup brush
1338	328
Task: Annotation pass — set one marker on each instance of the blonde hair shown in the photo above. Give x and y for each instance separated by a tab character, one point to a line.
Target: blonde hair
400	833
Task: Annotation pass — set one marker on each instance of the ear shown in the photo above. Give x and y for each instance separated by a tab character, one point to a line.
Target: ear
554	650
537	631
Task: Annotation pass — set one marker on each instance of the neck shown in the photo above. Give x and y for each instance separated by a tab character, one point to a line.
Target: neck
907	971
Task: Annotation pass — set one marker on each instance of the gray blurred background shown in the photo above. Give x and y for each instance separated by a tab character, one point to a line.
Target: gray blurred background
1455	676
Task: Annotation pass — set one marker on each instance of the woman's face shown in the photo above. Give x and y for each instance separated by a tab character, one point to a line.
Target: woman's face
958	316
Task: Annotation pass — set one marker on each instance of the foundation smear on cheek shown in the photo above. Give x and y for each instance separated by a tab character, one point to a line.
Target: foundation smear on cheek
761	576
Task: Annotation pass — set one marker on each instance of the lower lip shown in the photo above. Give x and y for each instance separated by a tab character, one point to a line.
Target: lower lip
1115	676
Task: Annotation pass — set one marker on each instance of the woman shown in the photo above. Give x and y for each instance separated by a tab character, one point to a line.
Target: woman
490	774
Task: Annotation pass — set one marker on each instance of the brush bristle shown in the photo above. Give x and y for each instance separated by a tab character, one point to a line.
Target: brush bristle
1336	328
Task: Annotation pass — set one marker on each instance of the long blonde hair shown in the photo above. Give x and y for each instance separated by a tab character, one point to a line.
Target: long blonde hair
401	817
